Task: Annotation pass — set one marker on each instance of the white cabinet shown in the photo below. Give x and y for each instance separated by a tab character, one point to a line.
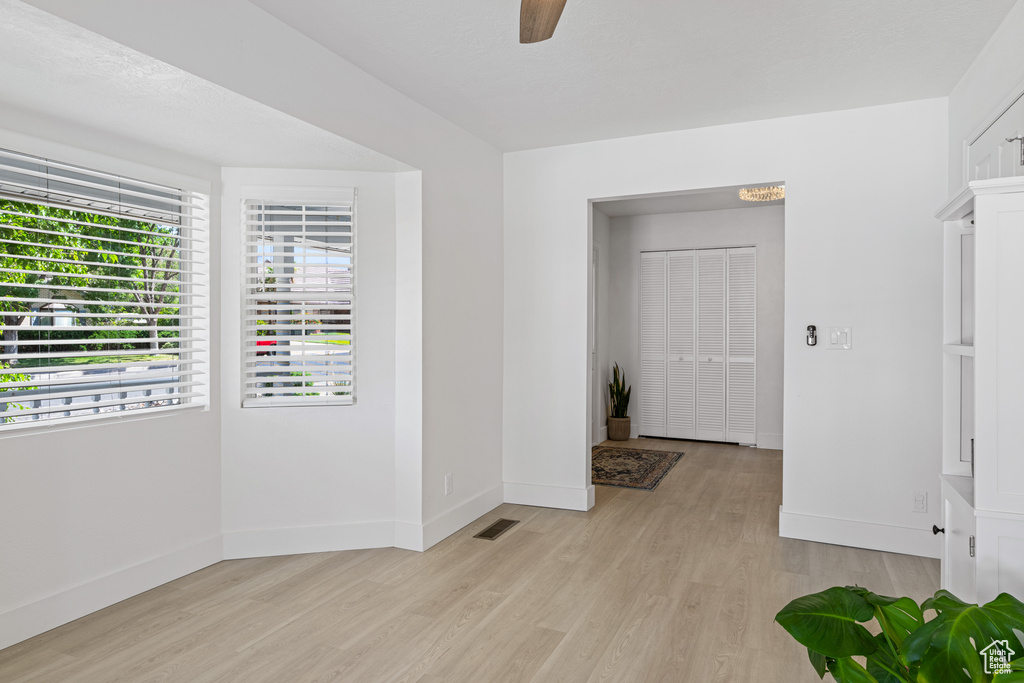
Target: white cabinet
983	379
697	344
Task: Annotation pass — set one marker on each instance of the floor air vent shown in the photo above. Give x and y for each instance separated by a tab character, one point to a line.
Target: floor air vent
497	529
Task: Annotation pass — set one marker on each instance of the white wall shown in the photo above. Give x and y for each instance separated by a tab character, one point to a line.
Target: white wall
85	524
762	227
238	46
994	79
602	279
94	514
313	478
861	428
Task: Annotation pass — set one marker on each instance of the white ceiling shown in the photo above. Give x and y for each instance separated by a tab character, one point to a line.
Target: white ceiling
715	199
616	68
50	65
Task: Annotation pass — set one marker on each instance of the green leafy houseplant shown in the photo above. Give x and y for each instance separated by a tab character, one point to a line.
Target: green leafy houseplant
619	392
948	648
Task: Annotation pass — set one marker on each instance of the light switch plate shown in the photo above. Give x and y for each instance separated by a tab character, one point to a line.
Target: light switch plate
839	338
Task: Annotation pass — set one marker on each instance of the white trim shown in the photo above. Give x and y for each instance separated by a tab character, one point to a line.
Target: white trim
561	497
408	470
63	424
870	535
962	203
335	537
42	615
446	524
770	441
602	435
409	536
308	539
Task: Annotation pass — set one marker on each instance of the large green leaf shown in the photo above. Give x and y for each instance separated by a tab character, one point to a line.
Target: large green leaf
826	622
884	664
848	670
818	661
1016	674
918	642
898	617
948	647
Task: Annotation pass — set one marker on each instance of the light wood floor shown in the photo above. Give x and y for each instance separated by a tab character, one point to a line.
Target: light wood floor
678	584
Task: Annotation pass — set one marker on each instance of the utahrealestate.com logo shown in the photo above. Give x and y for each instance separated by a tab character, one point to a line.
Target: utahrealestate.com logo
997	657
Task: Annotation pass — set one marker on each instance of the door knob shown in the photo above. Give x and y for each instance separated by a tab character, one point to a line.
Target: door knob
936	530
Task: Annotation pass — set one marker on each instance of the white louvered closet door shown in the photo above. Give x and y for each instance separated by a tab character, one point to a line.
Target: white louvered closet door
682	310
741	303
653	272
711	291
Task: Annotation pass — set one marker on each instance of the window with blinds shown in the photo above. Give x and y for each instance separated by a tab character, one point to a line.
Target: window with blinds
103	286
299	305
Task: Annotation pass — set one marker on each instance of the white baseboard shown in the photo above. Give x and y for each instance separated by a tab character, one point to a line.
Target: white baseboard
420	537
446	524
550	496
319	539
311	539
409	536
772	441
890	539
602	435
40	616
634	431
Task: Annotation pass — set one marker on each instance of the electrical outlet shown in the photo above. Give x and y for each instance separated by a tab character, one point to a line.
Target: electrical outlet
920	501
448	487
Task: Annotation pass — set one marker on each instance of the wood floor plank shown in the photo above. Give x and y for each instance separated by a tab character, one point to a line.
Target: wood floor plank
677	584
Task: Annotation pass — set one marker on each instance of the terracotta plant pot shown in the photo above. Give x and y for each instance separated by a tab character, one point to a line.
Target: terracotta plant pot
618	428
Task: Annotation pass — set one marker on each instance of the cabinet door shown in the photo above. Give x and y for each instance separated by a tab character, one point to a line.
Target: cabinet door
682	400
711	344
998	361
741	385
958	566
653	300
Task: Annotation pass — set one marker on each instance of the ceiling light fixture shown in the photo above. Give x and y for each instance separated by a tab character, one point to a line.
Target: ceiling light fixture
763	194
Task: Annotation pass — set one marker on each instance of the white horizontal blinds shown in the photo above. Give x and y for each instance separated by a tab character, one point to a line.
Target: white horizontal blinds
32	179
742	319
103	294
298	313
682	400
653	284
711	344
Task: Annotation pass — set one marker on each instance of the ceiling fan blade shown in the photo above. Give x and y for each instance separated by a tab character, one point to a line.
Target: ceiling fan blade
538	19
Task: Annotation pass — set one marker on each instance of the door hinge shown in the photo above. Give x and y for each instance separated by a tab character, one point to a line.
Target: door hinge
972	546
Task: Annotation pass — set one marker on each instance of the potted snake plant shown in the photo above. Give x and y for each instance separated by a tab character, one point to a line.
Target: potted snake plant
618	421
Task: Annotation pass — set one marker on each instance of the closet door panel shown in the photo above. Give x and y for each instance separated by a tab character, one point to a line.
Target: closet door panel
711	339
741	303
682	400
653	328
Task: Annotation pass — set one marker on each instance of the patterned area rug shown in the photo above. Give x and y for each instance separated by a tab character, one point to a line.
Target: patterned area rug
632	468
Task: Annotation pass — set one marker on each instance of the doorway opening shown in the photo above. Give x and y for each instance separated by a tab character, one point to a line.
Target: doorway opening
681	226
